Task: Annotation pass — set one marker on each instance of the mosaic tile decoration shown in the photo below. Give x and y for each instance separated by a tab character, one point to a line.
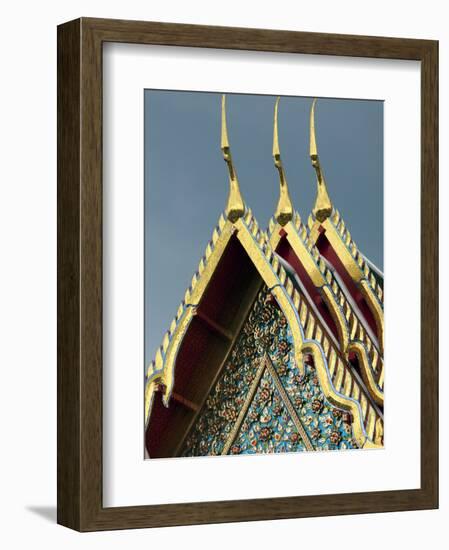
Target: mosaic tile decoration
252	410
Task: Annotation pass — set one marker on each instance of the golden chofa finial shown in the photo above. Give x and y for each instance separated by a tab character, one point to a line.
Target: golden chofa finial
235	207
323	206
284	210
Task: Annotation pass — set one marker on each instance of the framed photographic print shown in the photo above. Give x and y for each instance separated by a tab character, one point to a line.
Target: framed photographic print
247	274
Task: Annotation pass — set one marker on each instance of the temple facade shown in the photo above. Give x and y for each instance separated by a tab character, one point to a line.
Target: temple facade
277	345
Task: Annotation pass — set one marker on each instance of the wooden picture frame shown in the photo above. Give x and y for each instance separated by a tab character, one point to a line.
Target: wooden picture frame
80	503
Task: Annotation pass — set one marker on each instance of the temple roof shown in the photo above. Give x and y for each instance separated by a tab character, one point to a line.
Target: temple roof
355	334
309	325
325	216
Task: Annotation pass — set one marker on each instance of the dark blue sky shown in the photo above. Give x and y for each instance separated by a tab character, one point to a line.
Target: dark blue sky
186	181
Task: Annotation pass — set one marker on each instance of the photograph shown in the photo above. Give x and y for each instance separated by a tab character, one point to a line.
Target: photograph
222	245
263	274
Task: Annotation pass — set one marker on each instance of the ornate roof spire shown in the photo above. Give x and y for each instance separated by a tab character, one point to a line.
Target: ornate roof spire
235	207
323	206
284	210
